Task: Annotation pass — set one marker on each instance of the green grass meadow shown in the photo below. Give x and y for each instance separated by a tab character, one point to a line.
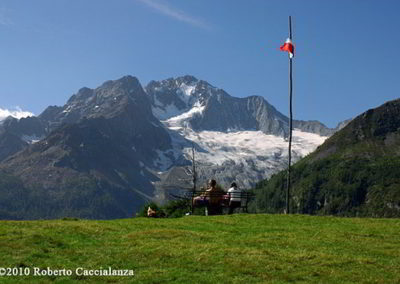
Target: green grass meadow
241	248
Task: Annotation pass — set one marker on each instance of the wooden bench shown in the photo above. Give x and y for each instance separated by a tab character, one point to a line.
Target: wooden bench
216	202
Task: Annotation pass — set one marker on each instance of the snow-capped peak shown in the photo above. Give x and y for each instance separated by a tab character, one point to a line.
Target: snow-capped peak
177	99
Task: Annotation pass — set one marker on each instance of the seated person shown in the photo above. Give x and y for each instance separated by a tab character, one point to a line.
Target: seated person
235	197
214	195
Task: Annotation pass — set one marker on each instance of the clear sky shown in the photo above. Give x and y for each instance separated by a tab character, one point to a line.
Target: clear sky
345	63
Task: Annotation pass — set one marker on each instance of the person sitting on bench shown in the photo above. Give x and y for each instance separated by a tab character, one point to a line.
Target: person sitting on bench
235	197
214	195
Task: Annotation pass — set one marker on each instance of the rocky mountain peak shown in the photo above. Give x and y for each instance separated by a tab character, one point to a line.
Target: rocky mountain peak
83	94
110	99
127	83
173	83
127	86
173	96
187	79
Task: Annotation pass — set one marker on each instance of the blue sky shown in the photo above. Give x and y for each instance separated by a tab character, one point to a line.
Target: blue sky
346	50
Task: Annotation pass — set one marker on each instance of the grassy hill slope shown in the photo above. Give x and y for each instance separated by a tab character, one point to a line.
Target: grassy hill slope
356	172
219	249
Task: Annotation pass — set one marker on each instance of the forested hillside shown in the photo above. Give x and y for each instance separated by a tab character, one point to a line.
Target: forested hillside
356	172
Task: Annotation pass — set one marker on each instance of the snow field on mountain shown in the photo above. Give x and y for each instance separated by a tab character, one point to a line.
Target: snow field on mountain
239	147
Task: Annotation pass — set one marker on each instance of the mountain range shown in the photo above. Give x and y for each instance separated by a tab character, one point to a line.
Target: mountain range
110	149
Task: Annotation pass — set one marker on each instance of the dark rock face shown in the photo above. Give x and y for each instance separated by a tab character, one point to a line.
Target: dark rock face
92	150
165	93
10	144
226	113
313	127
17	134
30	126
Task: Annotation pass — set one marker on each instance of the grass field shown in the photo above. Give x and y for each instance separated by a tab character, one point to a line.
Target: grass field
240	248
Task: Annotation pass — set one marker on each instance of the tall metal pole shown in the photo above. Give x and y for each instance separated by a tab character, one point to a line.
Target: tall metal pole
290	124
194	170
194	175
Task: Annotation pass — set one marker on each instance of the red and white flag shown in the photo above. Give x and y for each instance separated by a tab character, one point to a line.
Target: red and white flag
289	47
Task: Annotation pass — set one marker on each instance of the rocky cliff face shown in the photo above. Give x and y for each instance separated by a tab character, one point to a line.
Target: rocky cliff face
16	134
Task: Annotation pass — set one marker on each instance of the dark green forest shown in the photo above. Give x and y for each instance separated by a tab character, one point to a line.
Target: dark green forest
354	187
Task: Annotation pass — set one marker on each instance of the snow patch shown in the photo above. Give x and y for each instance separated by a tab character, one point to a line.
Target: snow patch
186	92
68	109
182	119
166	112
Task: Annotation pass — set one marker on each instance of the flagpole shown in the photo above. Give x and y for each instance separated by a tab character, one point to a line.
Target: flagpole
290	123
194	175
